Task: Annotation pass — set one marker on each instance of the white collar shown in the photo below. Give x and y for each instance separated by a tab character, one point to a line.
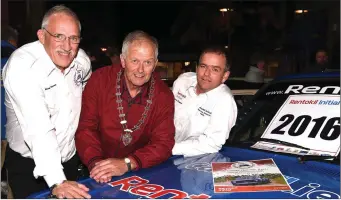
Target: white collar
209	94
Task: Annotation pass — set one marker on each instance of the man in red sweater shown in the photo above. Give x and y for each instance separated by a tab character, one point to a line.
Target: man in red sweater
126	122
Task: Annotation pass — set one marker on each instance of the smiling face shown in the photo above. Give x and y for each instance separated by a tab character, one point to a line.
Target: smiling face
139	63
210	72
61	53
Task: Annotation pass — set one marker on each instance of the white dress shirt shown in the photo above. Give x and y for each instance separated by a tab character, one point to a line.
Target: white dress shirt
43	107
202	122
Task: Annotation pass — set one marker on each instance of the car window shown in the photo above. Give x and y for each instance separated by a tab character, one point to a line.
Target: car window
255	117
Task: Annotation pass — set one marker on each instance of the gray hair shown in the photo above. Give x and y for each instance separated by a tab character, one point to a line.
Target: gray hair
138	35
59	9
219	51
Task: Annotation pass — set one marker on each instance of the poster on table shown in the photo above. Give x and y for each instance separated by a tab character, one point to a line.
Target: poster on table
248	176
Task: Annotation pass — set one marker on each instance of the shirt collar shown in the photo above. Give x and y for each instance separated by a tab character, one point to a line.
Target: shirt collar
72	65
50	66
209	94
213	92
192	86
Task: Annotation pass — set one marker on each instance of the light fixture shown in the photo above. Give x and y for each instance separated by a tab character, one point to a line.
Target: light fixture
104	49
226	47
187	63
301	11
225	9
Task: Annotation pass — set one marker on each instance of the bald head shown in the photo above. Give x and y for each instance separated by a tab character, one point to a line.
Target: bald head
60	9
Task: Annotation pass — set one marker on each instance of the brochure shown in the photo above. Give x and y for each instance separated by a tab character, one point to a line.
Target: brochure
248	176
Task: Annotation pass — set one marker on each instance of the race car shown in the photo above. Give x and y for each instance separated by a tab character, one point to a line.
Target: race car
250	180
293	120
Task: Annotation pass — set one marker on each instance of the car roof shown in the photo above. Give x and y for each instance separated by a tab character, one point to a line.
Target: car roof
309	75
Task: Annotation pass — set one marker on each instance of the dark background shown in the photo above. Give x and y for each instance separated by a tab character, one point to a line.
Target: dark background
183	27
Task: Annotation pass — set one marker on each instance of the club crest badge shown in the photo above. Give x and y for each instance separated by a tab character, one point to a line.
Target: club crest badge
78	77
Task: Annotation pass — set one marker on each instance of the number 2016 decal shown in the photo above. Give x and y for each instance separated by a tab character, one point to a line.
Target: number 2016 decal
330	131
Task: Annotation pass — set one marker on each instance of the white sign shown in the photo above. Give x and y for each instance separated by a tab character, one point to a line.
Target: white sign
312	121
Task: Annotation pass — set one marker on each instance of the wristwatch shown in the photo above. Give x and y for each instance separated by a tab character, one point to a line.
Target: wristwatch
52	196
127	161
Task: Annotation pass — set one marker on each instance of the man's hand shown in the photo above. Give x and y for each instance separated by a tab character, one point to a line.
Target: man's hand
71	190
105	169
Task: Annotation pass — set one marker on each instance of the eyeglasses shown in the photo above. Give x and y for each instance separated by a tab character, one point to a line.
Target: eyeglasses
62	37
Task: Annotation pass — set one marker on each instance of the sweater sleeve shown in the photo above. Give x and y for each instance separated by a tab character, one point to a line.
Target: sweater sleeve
162	141
87	136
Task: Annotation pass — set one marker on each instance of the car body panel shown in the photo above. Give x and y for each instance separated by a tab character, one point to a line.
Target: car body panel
193	176
309	75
